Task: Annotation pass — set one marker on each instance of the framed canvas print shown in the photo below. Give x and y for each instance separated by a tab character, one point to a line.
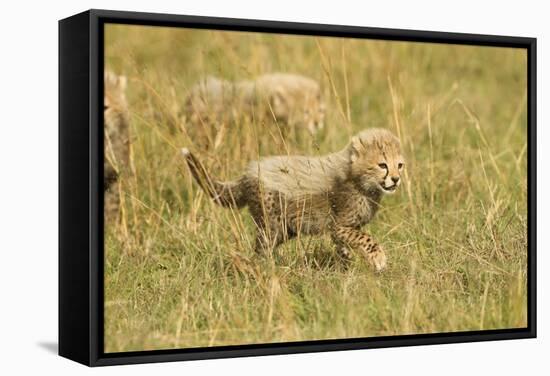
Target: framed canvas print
236	187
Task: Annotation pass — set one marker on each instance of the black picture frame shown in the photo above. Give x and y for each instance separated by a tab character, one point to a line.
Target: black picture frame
81	195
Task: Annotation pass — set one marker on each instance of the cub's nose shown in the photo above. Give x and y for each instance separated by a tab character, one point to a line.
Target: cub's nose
395	179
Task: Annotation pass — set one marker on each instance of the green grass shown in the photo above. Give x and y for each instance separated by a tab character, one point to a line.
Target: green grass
181	272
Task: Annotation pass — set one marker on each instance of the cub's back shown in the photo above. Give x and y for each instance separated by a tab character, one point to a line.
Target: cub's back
293	83
298	176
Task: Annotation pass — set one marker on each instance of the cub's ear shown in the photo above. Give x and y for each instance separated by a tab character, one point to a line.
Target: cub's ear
122	81
277	100
356	148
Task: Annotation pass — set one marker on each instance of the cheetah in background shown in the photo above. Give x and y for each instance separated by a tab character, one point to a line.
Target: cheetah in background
116	139
290	99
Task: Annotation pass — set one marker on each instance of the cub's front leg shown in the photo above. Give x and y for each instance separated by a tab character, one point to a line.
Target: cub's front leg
349	237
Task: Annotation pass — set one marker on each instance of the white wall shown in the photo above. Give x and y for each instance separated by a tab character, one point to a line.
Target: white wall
28	184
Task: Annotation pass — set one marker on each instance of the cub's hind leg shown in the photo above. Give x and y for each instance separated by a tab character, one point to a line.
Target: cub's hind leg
271	231
345	237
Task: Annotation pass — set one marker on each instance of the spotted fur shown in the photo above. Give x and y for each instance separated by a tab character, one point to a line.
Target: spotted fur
116	139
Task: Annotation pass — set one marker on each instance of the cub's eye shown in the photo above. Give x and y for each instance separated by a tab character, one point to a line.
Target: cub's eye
105	107
400	166
383	166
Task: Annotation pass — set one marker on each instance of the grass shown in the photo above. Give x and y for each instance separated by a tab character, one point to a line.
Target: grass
181	272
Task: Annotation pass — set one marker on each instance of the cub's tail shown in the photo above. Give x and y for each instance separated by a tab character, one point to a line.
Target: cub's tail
226	194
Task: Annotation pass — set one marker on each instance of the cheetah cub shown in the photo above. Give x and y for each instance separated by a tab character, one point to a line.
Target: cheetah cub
116	138
337	193
291	99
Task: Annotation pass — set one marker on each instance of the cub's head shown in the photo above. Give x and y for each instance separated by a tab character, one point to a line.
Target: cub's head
116	121
114	101
376	160
314	112
299	103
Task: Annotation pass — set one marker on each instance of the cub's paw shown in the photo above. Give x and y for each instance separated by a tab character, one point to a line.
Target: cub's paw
344	254
378	259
